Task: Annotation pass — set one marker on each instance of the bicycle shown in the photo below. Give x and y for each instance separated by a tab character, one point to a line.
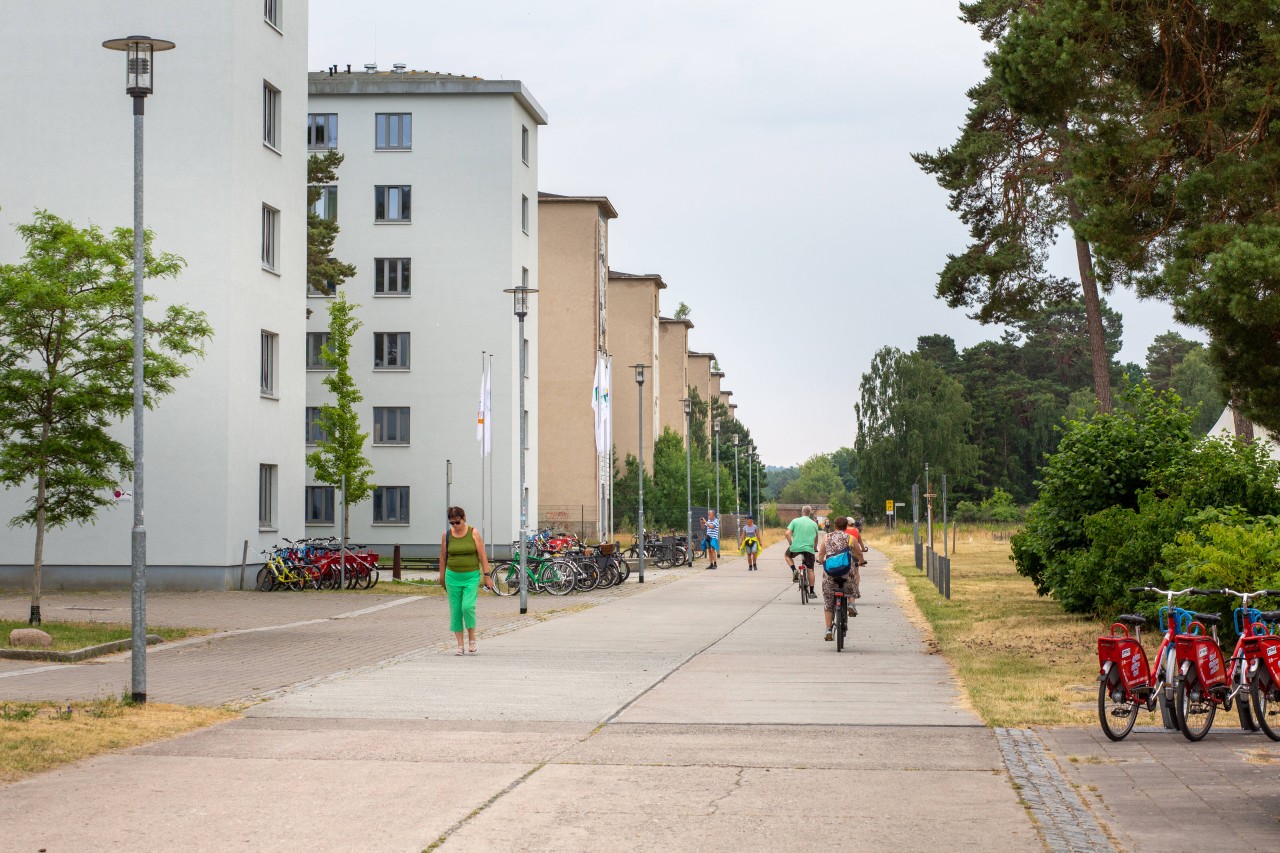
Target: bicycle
840	612
544	574
1126	681
277	574
1250	625
1264	681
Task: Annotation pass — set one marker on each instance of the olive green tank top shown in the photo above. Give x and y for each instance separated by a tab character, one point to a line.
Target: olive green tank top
462	552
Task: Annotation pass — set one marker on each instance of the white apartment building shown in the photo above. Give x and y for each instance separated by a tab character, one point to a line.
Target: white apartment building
225	165
437	205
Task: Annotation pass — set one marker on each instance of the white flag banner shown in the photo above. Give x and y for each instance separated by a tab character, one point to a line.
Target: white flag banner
487	446
480	413
604	430
597	403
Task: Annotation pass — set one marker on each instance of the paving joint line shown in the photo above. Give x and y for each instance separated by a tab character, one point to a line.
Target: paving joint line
1063	820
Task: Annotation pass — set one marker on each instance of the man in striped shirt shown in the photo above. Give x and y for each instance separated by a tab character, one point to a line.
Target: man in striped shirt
711	532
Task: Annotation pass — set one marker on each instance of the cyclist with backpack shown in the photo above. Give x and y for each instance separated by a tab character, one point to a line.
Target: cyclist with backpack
835	552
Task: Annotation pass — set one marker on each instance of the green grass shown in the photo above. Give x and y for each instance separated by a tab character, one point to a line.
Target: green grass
68	636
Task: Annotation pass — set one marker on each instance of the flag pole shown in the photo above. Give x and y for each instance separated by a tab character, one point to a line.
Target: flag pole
484	527
488	390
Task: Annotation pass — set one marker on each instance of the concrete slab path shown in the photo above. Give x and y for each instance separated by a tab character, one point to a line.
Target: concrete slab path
702	714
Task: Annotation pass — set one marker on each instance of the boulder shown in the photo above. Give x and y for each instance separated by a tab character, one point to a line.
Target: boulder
32	637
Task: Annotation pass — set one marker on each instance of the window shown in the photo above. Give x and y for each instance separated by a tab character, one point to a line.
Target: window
315	345
270	349
391	505
326	206
524	144
322	131
390	350
315	432
270	236
271	11
332	289
393	131
267	497
391	204
391	275
390	424
524	213
320	504
270	115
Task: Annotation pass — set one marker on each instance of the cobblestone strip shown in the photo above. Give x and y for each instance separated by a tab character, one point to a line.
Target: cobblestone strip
1065	824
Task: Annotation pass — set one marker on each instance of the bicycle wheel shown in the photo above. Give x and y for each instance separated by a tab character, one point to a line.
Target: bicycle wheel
266	581
624	569
1265	701
842	623
1115	717
804	590
368	577
557	577
1195	710
662	557
506	578
1244	707
681	555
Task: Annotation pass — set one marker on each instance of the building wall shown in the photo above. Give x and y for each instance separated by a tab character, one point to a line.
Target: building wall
572	245
700	378
207	176
674	352
466	243
633	331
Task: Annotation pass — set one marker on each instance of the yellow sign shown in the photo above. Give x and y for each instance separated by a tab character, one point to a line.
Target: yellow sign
888	507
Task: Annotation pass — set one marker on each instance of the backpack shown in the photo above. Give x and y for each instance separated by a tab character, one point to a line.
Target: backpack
838	565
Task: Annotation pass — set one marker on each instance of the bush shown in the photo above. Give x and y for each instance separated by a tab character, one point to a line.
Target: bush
966	512
1120	490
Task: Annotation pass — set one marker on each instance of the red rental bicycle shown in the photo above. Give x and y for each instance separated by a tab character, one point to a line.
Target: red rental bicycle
1127	682
1254	648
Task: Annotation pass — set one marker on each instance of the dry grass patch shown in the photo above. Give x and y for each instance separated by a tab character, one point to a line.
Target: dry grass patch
69	636
38	736
1022	660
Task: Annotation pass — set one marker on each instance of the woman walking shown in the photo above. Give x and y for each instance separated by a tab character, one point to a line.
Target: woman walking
751	542
462	566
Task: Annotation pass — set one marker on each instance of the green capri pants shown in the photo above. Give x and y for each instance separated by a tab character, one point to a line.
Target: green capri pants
462	588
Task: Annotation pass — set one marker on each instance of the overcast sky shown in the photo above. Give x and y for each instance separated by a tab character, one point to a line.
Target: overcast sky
758	154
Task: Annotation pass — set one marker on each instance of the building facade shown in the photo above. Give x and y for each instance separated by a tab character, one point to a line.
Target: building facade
634	309
573	276
673	351
436	200
225	163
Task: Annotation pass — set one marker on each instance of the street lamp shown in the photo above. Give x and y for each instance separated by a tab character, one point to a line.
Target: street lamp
737	495
139	68
640	452
715	426
520	300
688	479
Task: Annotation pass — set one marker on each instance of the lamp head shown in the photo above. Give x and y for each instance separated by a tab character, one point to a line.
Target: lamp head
639	373
139	64
688	406
520	299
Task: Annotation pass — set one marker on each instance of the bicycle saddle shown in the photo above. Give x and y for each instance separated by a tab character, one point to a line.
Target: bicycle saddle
1132	619
1209	618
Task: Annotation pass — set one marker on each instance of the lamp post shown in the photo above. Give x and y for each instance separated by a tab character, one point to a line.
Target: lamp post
737	495
520	300
688	478
715	426
751	455
640	452
139	67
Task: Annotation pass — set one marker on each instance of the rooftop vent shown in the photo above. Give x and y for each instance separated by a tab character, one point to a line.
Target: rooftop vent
371	68
398	67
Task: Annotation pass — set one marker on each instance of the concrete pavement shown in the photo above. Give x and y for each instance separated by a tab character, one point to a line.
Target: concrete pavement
703	714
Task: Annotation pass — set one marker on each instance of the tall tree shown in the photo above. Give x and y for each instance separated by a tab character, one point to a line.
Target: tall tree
1010	183
339	458
324	272
911	412
1175	162
1163	357
66	368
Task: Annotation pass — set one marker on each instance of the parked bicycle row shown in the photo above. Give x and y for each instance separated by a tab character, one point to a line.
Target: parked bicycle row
563	573
319	563
1192	678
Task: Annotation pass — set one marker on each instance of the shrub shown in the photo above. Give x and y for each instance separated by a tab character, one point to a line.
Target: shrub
966	512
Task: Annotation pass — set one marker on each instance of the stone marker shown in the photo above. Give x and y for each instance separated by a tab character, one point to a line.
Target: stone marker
30	637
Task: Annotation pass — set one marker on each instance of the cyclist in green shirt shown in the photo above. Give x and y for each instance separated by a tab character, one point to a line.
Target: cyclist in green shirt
802	542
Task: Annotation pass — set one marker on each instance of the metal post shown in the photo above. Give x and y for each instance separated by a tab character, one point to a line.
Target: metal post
138	538
945	551
688	479
928	505
717	464
737	495
342	549
448	484
640	451
915	521
524	492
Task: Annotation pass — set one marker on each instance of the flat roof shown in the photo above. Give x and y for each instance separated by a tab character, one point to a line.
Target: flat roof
686	321
625	276
419	83
599	200
709	355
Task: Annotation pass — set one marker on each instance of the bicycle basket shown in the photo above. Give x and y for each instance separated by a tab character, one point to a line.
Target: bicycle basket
605	549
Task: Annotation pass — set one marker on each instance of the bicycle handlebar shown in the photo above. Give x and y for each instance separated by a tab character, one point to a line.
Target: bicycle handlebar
1187	591
1197	591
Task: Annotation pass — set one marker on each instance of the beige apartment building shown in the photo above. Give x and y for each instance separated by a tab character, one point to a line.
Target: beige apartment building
700	378
673	352
573	277
713	385
726	397
634	339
